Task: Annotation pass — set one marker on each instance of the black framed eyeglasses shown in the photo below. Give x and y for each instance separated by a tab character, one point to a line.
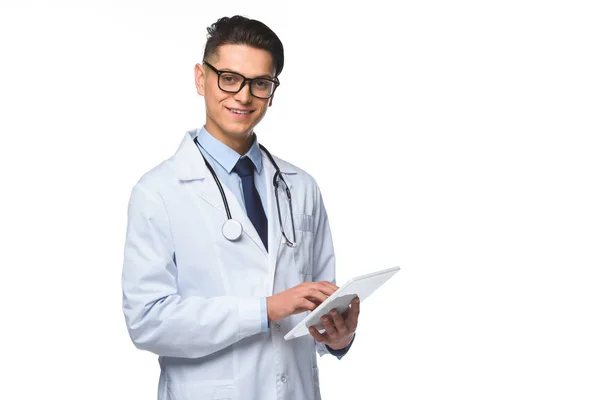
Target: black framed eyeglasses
232	82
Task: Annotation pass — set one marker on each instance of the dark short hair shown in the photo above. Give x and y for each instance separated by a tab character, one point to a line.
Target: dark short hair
242	30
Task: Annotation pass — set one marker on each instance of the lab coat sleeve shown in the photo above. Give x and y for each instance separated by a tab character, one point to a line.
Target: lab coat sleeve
157	317
323	254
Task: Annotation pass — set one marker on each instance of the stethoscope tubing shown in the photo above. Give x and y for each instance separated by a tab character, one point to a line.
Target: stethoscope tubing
275	187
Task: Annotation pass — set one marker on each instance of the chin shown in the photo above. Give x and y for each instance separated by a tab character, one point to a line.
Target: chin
239	131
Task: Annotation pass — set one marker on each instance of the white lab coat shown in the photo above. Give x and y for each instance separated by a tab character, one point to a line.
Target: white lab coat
193	297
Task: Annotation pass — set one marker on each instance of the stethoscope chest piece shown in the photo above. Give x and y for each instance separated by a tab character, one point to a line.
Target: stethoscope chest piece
232	229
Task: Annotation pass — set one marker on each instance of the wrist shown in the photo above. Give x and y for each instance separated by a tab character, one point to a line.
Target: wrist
269	311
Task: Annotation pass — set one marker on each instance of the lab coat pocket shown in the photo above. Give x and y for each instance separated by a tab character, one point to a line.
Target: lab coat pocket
303	251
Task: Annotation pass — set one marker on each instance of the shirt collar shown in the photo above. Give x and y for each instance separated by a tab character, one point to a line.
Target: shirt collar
225	155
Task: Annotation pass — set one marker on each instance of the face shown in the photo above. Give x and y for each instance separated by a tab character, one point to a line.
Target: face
234	128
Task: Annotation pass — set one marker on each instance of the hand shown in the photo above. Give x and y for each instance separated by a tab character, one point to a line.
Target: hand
339	329
304	297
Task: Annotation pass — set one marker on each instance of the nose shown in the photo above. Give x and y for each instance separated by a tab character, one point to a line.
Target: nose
244	96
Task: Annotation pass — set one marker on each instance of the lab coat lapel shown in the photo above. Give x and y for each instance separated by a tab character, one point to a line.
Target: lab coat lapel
189	167
193	173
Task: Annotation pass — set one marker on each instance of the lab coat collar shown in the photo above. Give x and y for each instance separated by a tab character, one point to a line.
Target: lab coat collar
189	164
187	161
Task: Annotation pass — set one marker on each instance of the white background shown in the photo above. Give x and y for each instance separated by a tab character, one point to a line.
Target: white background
458	140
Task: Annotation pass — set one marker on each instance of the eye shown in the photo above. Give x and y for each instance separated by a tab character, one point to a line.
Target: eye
261	84
230	79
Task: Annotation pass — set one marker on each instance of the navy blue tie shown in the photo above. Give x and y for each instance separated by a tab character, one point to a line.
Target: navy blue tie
254	208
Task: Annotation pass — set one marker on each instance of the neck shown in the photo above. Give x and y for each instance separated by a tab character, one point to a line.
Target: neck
241	144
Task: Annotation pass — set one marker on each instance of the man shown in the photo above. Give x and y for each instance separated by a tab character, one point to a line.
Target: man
212	280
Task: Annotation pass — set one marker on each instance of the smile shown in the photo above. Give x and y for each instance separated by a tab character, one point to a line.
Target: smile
237	111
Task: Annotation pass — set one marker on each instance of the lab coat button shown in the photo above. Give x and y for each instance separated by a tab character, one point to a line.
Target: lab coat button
283	378
277	327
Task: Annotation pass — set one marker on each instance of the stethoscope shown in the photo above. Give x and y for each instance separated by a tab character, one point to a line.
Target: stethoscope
232	228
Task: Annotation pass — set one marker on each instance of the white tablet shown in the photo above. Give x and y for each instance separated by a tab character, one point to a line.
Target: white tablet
361	286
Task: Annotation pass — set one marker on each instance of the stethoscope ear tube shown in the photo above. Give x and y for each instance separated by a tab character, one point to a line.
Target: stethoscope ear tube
291	243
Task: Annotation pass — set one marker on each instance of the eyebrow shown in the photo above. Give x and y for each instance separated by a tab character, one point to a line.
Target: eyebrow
267	76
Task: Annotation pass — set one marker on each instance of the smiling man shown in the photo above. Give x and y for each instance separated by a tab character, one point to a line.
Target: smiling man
228	247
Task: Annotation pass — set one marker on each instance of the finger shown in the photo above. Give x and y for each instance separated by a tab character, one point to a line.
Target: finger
314	301
326	287
330	285
347	311
353	312
305	305
316	294
329	327
338	322
318	336
356	305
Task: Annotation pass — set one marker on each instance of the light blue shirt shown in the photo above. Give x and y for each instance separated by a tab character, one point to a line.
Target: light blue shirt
223	159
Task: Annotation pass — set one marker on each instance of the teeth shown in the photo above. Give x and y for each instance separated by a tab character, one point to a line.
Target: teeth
239	111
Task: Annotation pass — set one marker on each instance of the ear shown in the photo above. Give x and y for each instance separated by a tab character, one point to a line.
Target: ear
199	78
